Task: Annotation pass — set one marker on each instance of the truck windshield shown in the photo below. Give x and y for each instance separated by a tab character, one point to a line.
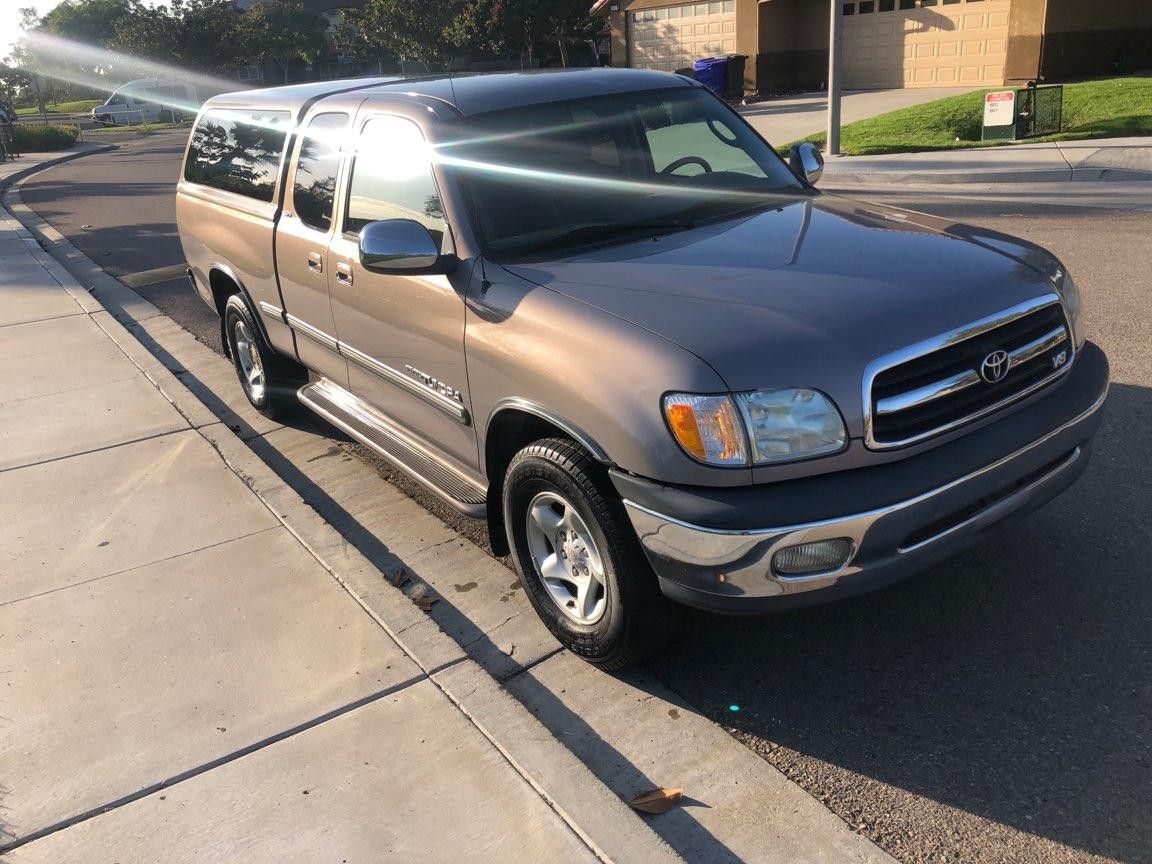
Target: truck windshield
605	169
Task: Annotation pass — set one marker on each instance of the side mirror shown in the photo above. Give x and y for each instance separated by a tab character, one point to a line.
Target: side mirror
806	162
400	246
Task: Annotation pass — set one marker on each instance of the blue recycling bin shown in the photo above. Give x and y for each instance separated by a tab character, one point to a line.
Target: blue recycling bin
712	72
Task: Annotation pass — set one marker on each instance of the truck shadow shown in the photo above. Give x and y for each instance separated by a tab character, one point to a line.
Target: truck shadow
1012	683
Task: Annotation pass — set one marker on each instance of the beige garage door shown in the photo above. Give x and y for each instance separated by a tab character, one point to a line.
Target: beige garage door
672	37
930	43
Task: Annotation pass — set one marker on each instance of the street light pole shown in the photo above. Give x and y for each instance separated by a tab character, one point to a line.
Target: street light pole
835	49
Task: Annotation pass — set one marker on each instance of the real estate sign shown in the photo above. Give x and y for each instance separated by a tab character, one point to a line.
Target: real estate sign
999	116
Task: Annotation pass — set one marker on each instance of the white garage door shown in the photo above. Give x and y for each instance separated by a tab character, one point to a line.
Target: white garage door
672	37
933	43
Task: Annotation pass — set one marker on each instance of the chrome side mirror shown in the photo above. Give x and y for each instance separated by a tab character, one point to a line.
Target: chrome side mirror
806	162
398	246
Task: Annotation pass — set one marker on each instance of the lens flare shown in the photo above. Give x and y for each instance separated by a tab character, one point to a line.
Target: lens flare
89	66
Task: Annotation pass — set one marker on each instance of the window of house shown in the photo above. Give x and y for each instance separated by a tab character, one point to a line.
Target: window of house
887	5
867	7
392	177
238	151
849	8
314	189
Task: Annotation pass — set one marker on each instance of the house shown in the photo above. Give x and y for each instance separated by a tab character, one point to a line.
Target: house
888	43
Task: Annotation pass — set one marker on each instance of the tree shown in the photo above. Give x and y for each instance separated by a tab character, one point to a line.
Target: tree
70	44
283	31
523	27
11	80
555	21
201	35
421	31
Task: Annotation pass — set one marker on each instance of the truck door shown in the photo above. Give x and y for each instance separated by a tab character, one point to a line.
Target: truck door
302	238
403	334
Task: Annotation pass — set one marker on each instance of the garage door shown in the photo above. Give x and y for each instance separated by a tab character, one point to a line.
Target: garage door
933	43
671	37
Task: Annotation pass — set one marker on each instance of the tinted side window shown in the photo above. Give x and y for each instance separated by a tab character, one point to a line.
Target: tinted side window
392	177
238	151
315	187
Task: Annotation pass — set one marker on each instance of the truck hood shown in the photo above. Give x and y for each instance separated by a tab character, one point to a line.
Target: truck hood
806	294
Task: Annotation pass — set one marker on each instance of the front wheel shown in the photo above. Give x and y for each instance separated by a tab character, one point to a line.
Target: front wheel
578	558
270	381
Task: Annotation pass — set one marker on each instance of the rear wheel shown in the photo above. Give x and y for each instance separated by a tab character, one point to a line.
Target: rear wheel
578	558
270	381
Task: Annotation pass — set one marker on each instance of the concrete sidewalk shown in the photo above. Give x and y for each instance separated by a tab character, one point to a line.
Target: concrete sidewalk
782	121
183	680
1111	159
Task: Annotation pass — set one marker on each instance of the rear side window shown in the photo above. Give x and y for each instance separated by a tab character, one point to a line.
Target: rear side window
238	151
314	189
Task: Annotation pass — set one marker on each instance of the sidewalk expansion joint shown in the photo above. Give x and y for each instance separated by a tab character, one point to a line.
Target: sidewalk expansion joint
205	767
78	311
137	567
530	666
52	459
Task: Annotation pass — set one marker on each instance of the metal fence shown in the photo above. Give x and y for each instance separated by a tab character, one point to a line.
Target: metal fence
1039	110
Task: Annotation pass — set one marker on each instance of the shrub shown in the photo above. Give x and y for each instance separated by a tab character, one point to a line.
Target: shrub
36	137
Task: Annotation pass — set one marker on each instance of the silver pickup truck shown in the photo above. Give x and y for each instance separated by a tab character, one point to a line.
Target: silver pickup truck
597	310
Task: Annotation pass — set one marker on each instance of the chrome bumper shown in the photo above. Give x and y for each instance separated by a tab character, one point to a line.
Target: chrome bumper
725	570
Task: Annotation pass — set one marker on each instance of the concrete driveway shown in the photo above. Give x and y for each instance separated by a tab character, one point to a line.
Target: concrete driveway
782	121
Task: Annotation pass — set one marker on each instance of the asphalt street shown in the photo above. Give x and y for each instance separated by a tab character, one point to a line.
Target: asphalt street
998	708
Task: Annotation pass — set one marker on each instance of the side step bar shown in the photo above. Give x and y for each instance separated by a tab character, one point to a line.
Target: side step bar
352	414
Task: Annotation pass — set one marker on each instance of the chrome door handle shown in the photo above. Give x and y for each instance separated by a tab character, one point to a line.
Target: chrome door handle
344	273
316	262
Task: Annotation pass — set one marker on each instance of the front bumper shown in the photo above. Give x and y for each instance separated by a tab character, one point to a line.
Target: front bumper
709	551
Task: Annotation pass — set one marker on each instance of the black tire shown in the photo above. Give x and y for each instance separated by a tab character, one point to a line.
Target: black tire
636	617
281	377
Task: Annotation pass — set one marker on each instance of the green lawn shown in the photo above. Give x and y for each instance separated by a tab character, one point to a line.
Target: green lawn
63	107
1110	108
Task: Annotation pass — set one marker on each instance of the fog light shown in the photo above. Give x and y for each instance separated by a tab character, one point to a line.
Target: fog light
816	557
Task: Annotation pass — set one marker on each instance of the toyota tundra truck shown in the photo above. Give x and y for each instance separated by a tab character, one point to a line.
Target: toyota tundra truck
596	310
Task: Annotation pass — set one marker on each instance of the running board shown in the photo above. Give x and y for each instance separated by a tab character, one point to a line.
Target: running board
353	415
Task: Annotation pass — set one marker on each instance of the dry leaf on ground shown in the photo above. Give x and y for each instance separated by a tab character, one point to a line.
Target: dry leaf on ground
657	801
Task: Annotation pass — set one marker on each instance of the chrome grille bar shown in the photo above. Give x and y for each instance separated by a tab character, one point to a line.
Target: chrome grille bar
952	399
962	380
928	393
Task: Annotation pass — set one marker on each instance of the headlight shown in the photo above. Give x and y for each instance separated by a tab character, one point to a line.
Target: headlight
1074	304
780	425
784	425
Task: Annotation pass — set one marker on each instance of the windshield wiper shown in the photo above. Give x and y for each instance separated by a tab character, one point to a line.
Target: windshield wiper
610	230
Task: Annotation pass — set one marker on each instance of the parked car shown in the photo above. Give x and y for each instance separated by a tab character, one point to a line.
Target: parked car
595	309
147	100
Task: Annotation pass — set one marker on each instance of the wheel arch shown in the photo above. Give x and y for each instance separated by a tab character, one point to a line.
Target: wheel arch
512	425
223	283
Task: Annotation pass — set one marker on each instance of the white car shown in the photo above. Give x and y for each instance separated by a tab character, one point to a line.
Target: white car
147	100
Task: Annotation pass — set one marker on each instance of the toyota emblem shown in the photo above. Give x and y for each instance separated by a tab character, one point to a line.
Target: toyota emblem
994	367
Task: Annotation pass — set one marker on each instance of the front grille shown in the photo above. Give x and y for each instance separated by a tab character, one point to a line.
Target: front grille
940	389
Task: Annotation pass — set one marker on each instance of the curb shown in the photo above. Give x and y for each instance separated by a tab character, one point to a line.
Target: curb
610	829
24	173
